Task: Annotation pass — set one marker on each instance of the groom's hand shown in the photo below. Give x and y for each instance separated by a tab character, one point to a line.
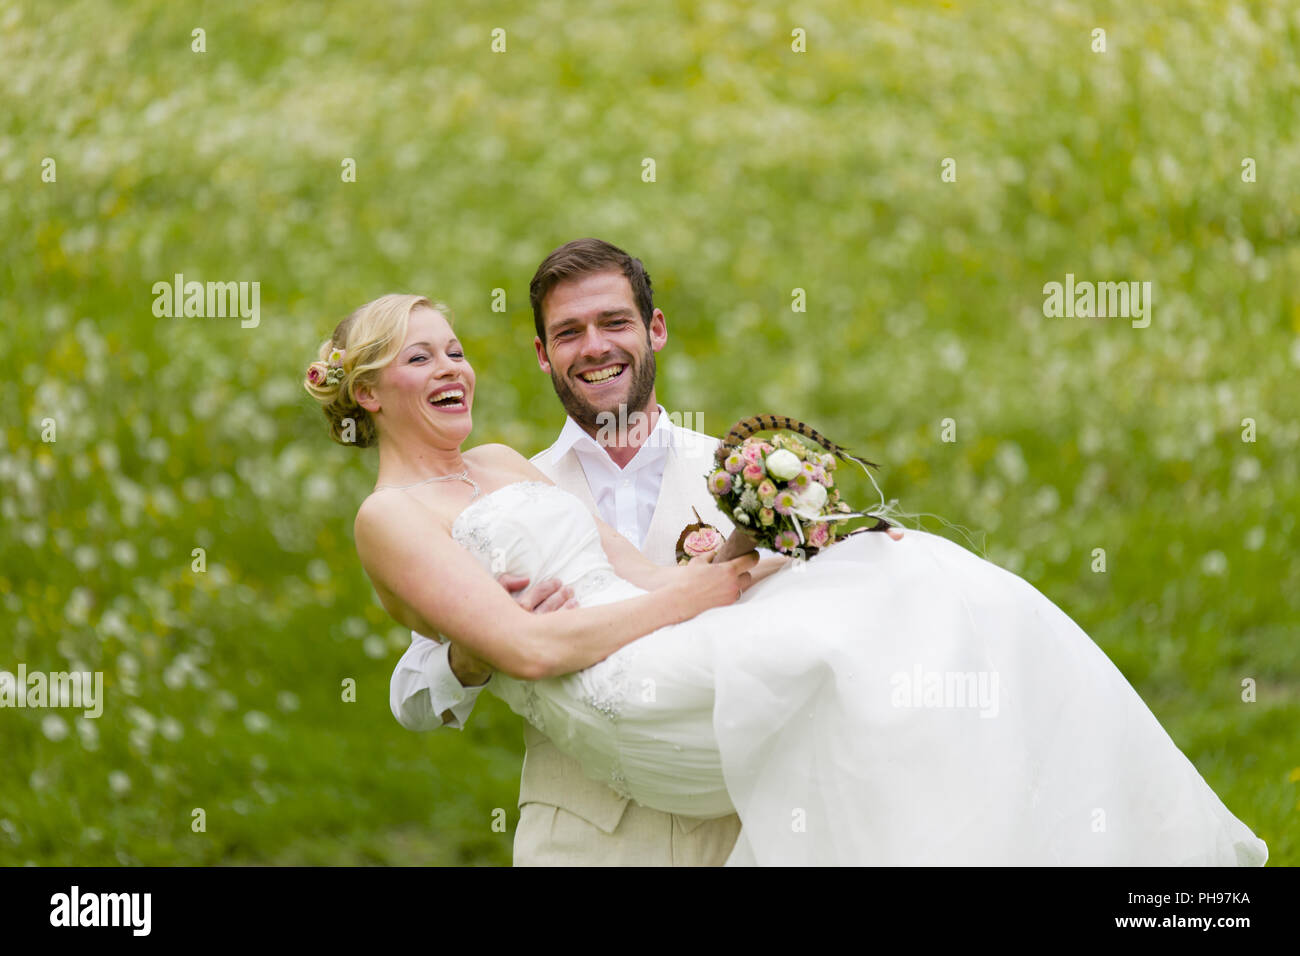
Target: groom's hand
549	595
469	670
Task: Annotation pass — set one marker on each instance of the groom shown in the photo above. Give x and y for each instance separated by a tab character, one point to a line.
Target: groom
597	335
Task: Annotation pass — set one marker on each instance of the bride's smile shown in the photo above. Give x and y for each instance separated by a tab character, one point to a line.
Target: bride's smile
449	398
426	393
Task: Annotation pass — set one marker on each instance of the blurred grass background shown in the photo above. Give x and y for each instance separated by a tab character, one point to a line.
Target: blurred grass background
775	170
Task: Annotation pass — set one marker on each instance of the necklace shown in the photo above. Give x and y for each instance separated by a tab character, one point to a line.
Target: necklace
460	475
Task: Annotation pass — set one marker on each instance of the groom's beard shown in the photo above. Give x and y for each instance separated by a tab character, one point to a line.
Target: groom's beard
590	416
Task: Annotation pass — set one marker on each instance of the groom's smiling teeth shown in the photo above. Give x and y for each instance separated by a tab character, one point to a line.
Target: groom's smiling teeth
602	375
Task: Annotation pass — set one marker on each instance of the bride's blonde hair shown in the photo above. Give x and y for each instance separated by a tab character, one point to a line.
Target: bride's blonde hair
369	339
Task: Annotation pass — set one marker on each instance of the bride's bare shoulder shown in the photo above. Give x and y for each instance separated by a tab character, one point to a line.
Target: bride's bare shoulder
507	459
386	514
493	453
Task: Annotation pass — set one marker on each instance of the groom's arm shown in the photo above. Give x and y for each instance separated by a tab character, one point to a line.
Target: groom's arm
424	692
437	684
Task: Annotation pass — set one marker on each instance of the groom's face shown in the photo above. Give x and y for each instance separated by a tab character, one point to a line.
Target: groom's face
598	351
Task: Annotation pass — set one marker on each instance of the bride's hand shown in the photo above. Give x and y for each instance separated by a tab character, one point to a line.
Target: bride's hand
766	565
709	584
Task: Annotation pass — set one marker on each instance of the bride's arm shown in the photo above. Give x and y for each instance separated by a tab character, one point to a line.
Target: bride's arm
631	565
428	583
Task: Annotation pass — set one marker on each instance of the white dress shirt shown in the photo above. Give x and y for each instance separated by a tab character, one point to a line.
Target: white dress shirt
425	666
626	499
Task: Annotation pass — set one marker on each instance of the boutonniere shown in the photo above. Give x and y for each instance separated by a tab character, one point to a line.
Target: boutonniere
697	540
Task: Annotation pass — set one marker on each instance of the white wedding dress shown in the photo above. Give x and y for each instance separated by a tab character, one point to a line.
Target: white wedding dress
885	703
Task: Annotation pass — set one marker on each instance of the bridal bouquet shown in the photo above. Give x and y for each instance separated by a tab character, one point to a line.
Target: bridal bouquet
780	492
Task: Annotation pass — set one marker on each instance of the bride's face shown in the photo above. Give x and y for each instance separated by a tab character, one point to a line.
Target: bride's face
427	391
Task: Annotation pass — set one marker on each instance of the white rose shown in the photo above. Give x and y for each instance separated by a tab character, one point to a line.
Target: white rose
808	503
783	464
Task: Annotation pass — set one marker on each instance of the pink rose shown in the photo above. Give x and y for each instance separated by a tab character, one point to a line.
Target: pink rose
752	454
316	373
766	491
754	473
702	542
820	535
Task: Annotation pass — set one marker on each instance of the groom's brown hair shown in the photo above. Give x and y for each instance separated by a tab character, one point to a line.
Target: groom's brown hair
583	257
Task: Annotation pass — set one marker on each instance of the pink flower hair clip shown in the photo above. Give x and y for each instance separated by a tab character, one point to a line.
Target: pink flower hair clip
327	373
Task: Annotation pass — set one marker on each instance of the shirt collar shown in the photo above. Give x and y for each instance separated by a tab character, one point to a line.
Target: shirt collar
572	436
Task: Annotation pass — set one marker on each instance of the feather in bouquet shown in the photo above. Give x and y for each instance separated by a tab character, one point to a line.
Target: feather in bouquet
780	492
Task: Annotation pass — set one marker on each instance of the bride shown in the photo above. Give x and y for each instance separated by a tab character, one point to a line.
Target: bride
884	703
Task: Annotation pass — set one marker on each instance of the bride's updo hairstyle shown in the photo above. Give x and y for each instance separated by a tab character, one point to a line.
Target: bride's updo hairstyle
362	344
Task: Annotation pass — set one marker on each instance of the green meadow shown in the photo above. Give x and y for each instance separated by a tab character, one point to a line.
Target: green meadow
175	517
